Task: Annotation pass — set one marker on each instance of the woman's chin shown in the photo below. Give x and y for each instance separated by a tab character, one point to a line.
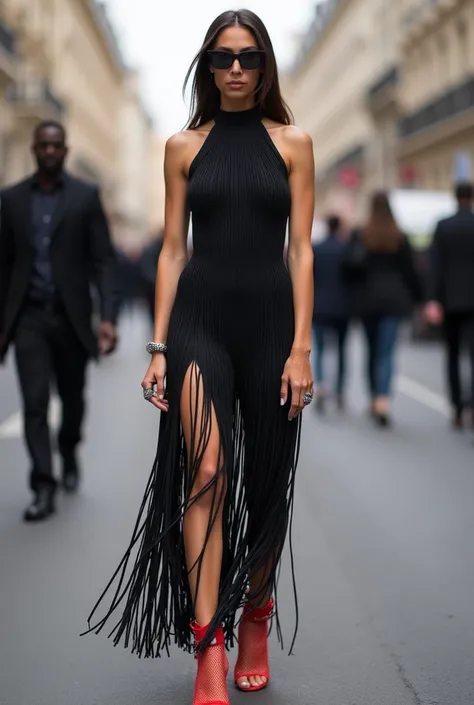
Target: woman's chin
241	94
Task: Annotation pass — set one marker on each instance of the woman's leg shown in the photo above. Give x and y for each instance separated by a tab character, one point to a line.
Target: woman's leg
203	531
386	344
202	524
271	448
370	324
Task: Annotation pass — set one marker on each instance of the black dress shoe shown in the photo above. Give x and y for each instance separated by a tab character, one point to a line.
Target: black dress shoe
42	506
70	474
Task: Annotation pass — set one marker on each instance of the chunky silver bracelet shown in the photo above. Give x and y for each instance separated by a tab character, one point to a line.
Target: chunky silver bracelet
156	347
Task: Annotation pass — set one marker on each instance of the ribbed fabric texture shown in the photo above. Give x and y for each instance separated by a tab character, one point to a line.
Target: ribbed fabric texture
232	325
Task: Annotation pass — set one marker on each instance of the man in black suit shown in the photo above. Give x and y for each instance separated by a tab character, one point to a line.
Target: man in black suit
331	309
53	240
452	293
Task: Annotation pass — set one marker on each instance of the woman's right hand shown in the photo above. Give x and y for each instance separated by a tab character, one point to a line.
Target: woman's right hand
155	376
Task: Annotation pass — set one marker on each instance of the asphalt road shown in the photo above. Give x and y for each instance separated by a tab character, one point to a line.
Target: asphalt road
383	537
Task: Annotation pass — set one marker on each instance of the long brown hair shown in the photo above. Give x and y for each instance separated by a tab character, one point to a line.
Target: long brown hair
381	233
205	98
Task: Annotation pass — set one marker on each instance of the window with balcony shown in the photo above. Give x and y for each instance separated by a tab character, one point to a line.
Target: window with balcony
442	63
462	46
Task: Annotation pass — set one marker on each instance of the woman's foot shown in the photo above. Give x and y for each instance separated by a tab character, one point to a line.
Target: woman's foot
211	686
382	420
381	413
252	671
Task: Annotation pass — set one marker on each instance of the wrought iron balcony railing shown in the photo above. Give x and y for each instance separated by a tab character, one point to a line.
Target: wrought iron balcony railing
443	108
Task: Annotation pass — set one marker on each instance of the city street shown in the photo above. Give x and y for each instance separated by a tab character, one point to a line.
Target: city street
383	541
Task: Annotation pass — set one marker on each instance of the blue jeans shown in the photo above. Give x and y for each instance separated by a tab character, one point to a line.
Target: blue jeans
321	329
382	333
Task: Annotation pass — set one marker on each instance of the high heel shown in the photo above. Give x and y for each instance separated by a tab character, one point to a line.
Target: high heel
253	646
382	420
210	687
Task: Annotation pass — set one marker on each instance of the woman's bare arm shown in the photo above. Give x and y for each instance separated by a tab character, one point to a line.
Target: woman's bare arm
300	253
297	374
173	256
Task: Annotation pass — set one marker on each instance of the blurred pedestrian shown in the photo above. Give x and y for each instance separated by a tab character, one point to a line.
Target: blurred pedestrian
147	267
232	339
53	233
330	313
384	286
129	279
451	295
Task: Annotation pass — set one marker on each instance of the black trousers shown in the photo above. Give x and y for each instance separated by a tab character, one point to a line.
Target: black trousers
459	331
48	352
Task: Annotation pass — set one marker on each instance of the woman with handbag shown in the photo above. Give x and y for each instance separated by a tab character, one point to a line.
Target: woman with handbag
384	286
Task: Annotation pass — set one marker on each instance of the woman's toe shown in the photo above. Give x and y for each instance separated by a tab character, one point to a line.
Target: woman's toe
257	681
243	683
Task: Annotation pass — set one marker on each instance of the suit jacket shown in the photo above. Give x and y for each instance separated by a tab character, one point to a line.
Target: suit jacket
452	263
330	288
81	252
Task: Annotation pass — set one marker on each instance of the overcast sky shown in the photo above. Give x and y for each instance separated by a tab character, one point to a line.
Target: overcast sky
161	37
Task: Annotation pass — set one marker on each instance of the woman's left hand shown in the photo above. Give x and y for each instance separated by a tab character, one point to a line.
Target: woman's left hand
297	376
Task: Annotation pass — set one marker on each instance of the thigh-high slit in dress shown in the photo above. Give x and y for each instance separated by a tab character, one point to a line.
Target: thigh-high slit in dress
231	328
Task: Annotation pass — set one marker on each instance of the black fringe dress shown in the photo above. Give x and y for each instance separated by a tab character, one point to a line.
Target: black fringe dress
232	327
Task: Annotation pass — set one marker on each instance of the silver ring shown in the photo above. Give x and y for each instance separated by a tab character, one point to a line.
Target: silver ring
307	399
148	393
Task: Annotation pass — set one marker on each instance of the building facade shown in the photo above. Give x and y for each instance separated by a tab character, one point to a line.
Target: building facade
436	93
59	59
9	61
69	69
135	156
157	185
386	90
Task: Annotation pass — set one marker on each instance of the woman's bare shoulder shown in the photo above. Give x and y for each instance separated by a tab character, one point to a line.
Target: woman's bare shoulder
179	145
291	134
297	137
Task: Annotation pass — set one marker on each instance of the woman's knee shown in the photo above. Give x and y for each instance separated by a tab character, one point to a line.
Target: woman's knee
208	477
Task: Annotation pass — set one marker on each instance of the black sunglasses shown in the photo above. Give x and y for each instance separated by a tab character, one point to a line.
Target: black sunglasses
249	60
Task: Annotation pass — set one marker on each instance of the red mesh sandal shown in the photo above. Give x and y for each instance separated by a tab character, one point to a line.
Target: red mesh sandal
211	687
253	646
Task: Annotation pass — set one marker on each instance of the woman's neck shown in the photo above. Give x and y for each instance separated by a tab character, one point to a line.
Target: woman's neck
232	106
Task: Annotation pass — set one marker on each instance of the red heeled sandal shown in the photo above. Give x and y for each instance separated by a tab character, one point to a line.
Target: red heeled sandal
253	646
210	687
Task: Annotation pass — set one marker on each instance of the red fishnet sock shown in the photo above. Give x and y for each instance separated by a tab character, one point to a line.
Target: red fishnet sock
211	687
253	646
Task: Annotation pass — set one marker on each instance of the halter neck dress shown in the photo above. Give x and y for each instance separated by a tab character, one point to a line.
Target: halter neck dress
231	327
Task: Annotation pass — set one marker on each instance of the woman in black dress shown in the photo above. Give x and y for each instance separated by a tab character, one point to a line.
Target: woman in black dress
232	342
